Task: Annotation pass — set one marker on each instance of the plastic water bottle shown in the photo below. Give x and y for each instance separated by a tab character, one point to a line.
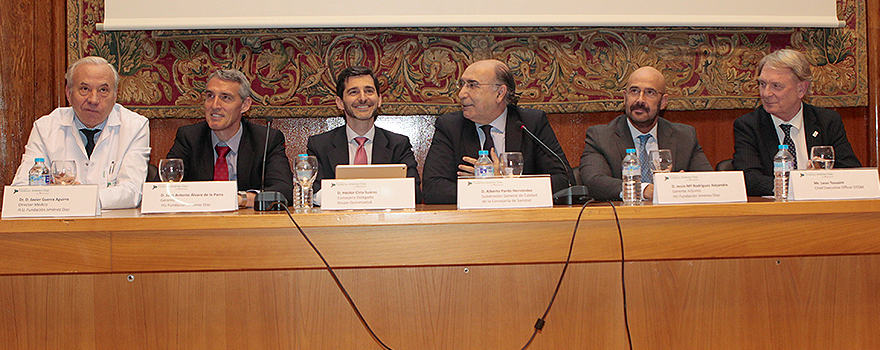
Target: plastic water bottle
783	163
39	174
484	167
632	179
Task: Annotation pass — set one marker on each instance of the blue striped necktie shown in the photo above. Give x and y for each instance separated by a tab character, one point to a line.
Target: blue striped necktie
644	161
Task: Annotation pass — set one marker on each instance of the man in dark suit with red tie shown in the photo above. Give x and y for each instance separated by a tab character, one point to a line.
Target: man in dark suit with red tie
783	118
226	147
359	141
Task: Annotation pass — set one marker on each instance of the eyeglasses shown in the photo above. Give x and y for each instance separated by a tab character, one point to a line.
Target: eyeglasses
634	92
472	84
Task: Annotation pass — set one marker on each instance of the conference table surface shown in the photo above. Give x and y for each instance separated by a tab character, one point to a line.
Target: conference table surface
756	275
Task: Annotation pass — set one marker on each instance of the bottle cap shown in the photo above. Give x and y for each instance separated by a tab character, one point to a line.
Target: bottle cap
783	146
630	150
38	160
483	152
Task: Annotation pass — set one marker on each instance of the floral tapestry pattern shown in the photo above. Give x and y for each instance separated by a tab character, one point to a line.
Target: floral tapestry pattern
558	70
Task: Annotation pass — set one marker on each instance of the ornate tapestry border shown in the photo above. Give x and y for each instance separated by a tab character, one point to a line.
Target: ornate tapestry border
559	70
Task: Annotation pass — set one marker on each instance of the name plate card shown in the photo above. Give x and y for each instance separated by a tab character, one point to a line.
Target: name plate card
398	193
531	191
834	184
195	196
699	187
43	201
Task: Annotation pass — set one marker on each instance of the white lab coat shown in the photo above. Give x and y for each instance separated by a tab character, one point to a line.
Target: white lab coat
119	161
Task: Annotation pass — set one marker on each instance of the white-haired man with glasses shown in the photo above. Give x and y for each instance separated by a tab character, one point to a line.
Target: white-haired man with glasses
109	143
489	120
642	128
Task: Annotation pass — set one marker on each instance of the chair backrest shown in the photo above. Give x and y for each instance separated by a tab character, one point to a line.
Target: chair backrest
724	165
152	173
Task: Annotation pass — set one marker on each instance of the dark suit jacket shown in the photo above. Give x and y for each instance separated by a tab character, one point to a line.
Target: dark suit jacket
331	149
755	144
456	137
193	145
602	161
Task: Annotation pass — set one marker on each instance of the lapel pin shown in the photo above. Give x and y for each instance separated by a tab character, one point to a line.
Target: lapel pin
815	133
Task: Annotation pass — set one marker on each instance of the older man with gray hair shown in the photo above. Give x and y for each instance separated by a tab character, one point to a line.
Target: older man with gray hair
225	147
784	78
489	120
109	143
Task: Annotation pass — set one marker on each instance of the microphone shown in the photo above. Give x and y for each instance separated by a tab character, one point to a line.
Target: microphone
264	200
571	195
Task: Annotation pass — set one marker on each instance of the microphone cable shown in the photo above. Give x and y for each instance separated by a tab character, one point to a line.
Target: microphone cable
335	279
540	323
622	276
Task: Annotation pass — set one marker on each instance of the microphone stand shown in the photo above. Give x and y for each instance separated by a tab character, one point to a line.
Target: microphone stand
268	200
571	195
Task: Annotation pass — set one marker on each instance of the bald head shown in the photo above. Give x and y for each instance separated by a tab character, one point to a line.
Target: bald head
645	97
648	75
487	64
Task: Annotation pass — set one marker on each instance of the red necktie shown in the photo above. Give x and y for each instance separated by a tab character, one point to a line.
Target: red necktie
360	156
221	168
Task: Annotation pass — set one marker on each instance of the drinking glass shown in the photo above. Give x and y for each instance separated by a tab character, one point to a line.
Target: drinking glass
171	170
511	164
305	170
661	160
822	157
64	172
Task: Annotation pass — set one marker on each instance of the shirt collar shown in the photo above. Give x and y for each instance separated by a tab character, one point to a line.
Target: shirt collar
635	133
499	123
79	125
351	134
233	141
797	122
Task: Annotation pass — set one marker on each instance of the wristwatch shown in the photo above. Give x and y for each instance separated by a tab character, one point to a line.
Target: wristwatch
242	199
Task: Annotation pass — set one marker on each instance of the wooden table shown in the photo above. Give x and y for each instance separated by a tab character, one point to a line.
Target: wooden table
759	275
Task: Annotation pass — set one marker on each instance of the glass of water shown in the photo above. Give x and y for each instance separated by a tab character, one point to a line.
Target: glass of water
661	160
64	172
171	170
511	164
822	157
305	170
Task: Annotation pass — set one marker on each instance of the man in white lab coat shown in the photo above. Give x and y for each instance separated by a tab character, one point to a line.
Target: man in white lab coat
110	144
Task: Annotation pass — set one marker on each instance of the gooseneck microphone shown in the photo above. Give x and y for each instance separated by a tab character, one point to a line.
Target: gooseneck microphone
264	200
571	195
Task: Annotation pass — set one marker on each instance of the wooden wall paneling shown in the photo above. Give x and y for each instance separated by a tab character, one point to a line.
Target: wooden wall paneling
410	308
32	63
397	245
767	303
16	80
873	18
760	303
38	252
